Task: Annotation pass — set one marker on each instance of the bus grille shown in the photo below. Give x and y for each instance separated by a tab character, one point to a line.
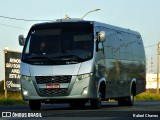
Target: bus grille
50	92
53	79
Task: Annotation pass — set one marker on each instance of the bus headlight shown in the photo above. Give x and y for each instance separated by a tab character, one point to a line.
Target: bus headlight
85	90
25	92
26	78
83	76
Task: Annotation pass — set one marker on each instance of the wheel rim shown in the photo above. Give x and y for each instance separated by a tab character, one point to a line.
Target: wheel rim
131	101
131	97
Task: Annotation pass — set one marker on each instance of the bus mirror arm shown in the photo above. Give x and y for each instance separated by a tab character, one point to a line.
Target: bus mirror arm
97	40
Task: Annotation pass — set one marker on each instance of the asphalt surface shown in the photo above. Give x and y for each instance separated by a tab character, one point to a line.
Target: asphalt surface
110	110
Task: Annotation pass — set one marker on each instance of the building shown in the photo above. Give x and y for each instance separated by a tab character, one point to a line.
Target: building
151	80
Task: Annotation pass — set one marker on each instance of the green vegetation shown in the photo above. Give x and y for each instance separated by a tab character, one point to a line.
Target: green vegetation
12	102
13	98
147	96
11	95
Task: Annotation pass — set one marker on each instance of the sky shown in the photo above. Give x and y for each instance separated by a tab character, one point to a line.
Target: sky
139	15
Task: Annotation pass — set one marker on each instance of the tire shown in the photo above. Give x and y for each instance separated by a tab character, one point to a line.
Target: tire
128	101
96	103
34	104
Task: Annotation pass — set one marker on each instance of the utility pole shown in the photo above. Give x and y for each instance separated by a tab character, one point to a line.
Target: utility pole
158	58
151	70
5	89
147	65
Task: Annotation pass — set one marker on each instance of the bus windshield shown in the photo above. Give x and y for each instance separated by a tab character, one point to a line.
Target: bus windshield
59	45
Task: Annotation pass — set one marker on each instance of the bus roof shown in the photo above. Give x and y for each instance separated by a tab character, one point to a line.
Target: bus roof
95	23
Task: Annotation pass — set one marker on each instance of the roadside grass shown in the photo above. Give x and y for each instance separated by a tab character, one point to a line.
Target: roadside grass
9	101
13	98
147	96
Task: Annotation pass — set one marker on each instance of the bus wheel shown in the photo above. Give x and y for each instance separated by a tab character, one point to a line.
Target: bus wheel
96	103
34	104
128	101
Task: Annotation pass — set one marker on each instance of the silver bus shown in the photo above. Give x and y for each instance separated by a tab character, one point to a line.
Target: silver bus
76	61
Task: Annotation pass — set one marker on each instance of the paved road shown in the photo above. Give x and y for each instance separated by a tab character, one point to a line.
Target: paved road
109	110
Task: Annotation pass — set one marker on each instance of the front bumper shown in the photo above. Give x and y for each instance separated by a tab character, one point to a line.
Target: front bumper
76	90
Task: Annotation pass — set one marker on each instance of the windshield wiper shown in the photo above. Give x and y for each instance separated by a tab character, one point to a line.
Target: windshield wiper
69	57
39	58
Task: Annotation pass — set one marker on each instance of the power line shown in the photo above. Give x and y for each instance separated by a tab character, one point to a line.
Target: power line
13	26
150	46
13	18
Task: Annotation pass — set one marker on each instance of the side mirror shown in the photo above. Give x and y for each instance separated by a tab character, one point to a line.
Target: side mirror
102	36
21	40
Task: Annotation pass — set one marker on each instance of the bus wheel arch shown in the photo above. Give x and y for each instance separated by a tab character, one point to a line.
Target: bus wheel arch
133	88
96	103
129	101
102	89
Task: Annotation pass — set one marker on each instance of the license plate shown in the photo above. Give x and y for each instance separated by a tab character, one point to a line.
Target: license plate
52	86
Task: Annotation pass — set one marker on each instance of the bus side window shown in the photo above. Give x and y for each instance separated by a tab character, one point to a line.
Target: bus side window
114	45
138	49
107	48
129	46
122	44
